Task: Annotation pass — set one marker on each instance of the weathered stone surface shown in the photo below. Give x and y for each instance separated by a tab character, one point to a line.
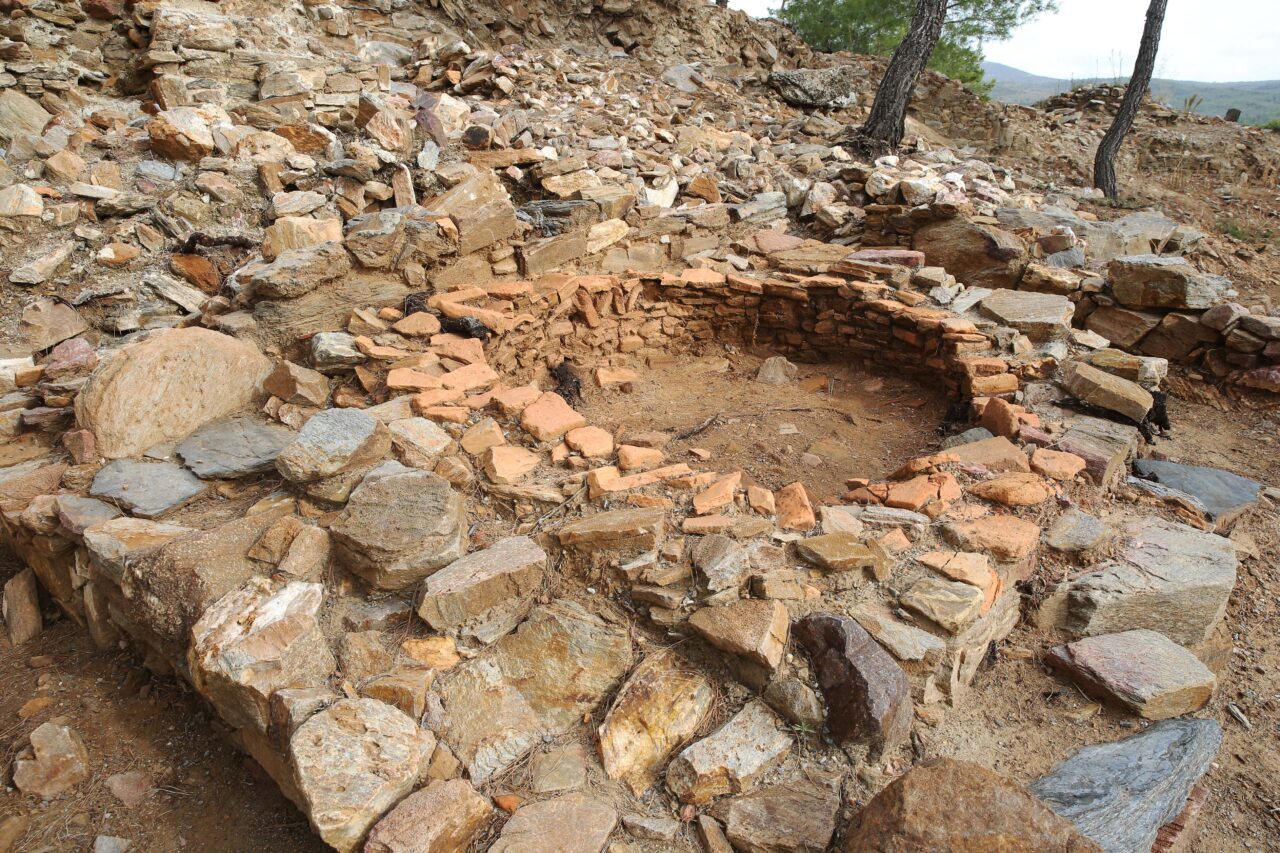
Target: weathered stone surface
995	454
296	384
660	707
237	447
1074	531
945	804
20	114
538	681
1099	388
1120	794
634	530
482	210
722	563
833	87
1014	489
351	763
795	817
486	593
952	605
574	823
844	552
441	818
48	322
1154	281
1039	316
397	529
905	642
550	417
1104	445
867	694
21	607
1141	670
419	442
1006	537
1146	371
1224	495
776	371
115	543
297	271
332	442
977	255
162	388
171	577
255	641
757	630
1165	576
56	763
146	489
1122	327
731	760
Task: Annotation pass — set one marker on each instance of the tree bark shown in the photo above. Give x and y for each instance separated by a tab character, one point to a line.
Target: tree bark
887	122
1104	162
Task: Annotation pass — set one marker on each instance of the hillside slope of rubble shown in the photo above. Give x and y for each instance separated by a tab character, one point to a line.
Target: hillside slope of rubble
524	426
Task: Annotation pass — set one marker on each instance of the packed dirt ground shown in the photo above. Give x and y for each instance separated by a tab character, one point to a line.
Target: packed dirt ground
639	190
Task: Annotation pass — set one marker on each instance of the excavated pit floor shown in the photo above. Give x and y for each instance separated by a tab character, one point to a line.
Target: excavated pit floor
833	422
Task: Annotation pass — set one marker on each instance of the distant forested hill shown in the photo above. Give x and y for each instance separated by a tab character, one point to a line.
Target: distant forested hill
1259	101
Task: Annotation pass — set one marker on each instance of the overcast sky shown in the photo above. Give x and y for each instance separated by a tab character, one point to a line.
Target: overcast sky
1204	40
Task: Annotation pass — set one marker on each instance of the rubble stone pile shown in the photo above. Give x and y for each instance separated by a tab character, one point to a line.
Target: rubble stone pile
302	304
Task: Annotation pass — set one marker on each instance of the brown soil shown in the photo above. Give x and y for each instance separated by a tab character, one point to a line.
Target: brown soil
852	423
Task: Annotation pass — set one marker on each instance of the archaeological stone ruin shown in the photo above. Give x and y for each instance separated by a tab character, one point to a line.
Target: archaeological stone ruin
346	382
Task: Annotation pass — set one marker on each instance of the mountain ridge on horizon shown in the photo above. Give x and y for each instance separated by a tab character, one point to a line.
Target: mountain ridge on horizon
1258	100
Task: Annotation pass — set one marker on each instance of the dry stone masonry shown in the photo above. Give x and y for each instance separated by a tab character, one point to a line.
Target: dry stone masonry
293	410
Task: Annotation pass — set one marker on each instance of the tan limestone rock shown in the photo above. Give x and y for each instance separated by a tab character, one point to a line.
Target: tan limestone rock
660	706
166	386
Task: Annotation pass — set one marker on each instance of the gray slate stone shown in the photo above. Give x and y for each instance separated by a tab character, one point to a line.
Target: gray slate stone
1167	577
1075	530
237	447
399	528
146	489
969	436
1224	495
1120	794
1039	316
818	87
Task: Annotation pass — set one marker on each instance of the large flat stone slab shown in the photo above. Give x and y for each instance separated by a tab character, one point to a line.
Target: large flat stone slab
486	593
1039	316
146	489
236	447
574	823
945	804
1225	496
254	641
537	682
1120	794
794	817
732	759
1165	576
1141	670
351	763
1155	281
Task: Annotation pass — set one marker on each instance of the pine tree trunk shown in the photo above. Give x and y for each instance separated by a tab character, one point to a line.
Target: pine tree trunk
1104	163
887	122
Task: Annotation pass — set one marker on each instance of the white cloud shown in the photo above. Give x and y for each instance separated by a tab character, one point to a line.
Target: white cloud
1203	40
